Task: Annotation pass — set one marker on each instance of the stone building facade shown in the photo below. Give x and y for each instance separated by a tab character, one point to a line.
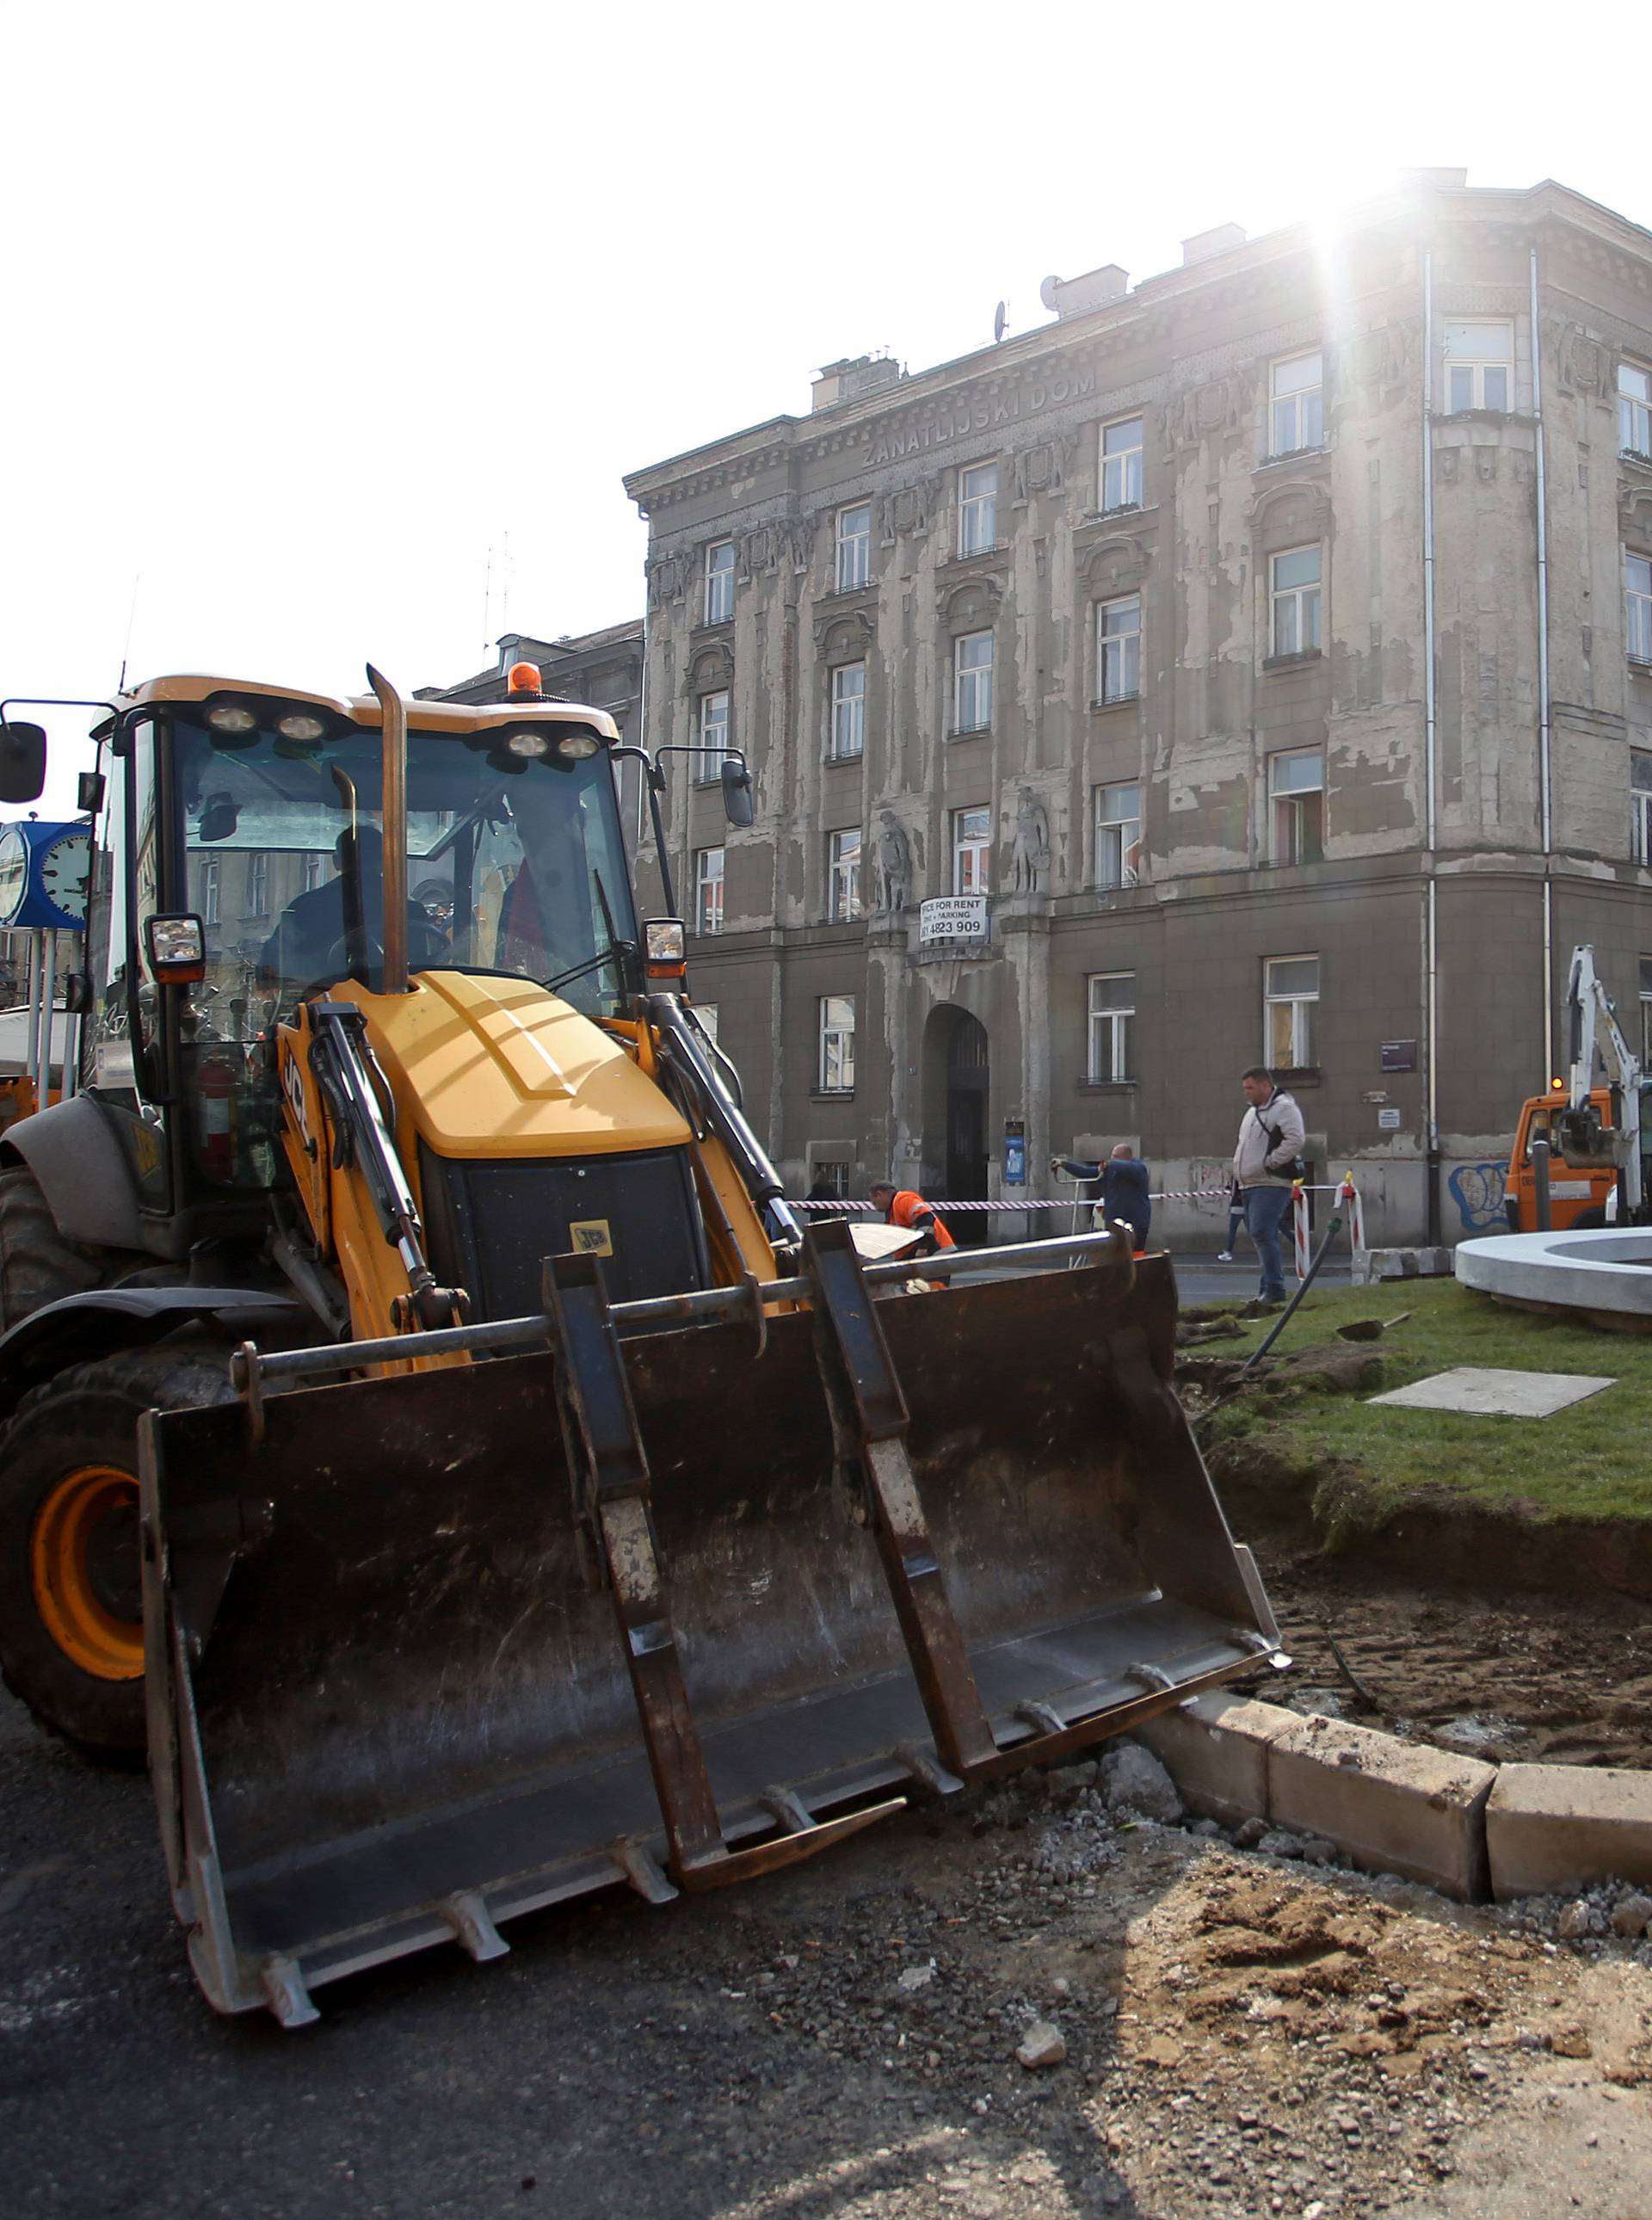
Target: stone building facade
1254	665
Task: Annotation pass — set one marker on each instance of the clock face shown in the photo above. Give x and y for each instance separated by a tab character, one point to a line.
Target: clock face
14	872
66	874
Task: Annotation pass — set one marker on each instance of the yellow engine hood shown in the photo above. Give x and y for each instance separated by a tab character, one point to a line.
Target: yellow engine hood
494	1067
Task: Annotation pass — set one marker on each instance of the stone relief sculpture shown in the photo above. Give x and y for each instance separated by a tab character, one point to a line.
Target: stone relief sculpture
1030	862
894	865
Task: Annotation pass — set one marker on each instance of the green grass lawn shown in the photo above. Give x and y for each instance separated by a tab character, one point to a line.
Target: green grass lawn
1592	1460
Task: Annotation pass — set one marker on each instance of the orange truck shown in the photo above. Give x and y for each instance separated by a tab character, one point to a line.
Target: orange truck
1577	1195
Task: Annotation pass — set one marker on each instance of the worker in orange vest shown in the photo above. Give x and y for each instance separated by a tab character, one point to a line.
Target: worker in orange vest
904	1206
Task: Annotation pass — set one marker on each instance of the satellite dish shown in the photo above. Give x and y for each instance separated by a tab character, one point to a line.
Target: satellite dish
1048	292
998	322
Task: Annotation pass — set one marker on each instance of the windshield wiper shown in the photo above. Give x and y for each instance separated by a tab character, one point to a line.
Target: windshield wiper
611	954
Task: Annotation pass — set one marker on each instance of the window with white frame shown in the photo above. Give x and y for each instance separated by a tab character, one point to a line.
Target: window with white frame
1121	464
1293	587
1479	365
1291	999
1640	806
1296	404
1637	609
706	1013
711	740
1118	649
848	736
1117	834
1113	1020
708	890
843	874
719	582
836	1061
1646	1014
314	870
1296	790
257	885
972	851
977	509
830	1174
972	682
211	893
854	547
1635	410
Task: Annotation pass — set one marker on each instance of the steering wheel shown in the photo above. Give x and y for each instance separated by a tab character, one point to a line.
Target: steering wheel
426	944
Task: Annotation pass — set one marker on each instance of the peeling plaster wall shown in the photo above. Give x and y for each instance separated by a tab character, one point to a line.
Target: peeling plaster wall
1190	353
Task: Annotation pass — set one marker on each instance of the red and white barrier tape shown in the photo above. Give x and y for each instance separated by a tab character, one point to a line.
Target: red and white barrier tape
1032	1201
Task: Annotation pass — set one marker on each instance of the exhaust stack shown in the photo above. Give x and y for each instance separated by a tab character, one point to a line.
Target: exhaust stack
395	740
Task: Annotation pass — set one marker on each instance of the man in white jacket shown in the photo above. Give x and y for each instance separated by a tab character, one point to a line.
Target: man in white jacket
1264	1165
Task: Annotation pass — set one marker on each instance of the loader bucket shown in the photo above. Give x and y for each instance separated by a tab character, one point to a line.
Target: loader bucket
399	1694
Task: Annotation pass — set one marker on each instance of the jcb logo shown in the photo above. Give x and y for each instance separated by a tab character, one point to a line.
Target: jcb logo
590	1237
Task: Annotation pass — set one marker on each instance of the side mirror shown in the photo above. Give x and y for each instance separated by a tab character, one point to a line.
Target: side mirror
738	806
89	793
23	762
178	950
78	994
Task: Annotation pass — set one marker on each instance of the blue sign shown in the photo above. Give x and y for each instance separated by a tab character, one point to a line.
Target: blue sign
1015	1159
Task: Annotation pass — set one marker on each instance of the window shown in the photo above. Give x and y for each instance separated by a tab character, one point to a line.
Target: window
1296	411
257	885
972	850
977	509
210	893
843	875
836	1043
1637	609
1118	835
1646	1014
315	870
1118	649
848	734
830	1177
1121	465
1294	579
1634	410
1113	1012
706	1013
719	582
708	890
854	547
1291	997
712	741
1640	807
972	682
1479	365
1296	788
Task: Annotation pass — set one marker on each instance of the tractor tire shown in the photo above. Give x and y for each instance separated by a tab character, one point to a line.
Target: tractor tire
71	1599
38	1265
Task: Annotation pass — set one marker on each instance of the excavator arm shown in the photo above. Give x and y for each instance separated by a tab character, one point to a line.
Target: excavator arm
1584	1140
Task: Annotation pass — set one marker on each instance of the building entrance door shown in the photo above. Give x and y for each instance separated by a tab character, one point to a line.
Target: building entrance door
968	1075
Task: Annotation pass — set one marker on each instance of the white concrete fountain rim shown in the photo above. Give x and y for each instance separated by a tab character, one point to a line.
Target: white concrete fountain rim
1606	1269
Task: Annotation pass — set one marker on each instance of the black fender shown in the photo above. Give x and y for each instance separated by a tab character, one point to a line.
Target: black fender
82	1328
83	1169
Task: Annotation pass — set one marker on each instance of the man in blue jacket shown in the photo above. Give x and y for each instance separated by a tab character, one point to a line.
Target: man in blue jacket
1124	1188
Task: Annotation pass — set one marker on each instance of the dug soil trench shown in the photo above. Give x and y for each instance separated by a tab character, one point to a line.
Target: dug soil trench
1479	1625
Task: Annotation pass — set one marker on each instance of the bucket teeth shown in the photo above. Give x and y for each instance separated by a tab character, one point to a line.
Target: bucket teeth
472	1924
284	1988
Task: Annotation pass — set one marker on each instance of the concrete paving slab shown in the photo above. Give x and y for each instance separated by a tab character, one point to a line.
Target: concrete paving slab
1487	1393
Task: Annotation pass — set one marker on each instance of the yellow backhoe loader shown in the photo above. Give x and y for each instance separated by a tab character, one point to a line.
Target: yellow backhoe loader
426	1426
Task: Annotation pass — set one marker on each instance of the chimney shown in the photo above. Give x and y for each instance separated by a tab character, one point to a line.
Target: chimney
849	379
1096	289
1204	243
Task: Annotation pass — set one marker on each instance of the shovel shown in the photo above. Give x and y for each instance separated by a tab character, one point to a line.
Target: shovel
1369	1329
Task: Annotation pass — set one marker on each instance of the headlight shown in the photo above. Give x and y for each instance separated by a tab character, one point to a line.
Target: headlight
527	745
232	717
574	747
301	725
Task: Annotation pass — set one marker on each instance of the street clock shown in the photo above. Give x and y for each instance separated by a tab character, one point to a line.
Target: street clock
45	875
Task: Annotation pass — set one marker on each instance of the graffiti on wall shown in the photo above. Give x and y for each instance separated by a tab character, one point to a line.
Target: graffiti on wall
1477	1190
1213	1172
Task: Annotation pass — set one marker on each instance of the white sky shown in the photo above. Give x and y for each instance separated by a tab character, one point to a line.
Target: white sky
308	308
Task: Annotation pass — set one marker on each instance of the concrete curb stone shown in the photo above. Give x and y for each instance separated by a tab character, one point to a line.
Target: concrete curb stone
1550	1828
1390	1805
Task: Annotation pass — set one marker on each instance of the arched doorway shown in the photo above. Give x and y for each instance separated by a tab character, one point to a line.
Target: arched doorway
968	1076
